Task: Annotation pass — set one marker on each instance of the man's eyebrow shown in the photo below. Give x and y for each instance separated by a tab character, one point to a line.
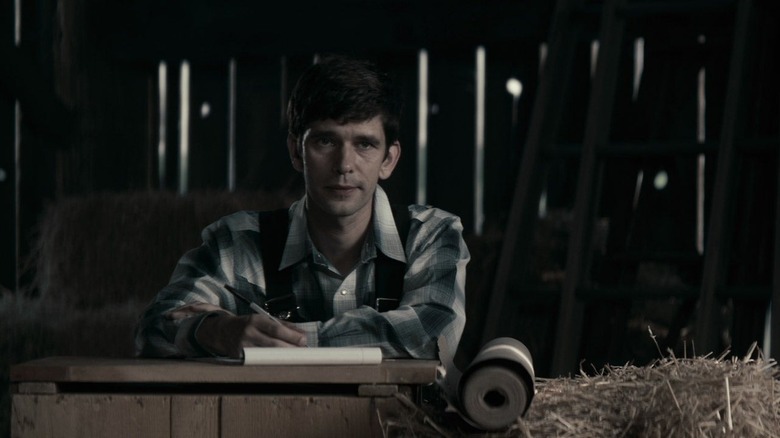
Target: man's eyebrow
368	138
321	133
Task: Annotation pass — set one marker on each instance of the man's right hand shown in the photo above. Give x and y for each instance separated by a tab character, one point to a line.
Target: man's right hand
225	334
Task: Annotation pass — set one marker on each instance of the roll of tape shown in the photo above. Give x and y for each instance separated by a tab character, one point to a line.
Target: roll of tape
495	388
494	396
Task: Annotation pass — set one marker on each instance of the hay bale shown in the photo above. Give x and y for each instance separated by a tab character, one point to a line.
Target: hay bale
688	397
106	248
672	397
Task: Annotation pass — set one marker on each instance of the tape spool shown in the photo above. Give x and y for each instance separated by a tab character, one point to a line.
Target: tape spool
496	388
494	396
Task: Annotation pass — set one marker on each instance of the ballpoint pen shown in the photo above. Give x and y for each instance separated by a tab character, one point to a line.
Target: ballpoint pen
252	305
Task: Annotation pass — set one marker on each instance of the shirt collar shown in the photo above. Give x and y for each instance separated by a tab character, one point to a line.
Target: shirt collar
385	236
385	231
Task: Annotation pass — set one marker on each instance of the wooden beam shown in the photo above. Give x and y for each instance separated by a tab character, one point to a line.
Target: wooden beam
564	36
597	129
721	212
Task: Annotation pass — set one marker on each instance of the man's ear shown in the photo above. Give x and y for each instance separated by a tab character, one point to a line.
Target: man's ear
390	161
294	149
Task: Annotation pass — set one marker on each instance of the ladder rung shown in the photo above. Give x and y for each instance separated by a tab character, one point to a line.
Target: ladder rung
659	148
634	149
629	293
636	292
645	9
654	256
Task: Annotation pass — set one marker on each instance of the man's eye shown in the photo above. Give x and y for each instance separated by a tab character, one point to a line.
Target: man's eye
366	145
325	141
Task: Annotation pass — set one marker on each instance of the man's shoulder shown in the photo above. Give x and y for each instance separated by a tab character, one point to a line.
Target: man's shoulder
243	220
428	213
433	220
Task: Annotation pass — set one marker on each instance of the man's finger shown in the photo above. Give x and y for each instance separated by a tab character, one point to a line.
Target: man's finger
193	309
287	333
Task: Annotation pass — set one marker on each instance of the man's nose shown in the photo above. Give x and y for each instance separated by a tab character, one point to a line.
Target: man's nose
345	159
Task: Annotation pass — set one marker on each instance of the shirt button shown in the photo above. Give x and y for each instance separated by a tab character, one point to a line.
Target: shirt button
344	291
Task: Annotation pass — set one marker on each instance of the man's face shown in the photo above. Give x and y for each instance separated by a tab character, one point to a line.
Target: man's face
341	165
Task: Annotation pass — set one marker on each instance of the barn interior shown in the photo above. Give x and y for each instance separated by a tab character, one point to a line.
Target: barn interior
614	163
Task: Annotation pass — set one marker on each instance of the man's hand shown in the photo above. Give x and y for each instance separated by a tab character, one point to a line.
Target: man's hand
226	334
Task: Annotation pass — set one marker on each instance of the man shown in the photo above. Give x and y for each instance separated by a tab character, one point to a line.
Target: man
336	242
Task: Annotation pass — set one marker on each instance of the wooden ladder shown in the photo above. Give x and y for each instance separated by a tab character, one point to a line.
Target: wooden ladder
564	34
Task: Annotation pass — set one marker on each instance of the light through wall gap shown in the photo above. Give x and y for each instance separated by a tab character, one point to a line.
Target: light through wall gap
479	142
422	126
184	125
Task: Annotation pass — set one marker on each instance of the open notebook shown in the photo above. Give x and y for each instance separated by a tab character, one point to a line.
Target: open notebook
304	356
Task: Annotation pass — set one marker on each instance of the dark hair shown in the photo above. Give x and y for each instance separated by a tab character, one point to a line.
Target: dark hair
346	90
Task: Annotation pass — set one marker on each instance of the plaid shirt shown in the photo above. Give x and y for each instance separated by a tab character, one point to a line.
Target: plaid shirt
432	304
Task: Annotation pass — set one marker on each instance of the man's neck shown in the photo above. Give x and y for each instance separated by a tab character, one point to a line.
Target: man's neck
340	240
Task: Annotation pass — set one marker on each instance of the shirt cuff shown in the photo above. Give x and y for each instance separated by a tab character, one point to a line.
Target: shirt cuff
187	342
312	330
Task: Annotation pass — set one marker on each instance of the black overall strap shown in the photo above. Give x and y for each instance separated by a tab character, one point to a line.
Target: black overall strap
388	274
273	237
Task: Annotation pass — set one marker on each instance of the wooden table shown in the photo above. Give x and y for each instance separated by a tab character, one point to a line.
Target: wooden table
97	397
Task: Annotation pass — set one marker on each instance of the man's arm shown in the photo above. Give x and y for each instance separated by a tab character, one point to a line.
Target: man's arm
195	316
432	304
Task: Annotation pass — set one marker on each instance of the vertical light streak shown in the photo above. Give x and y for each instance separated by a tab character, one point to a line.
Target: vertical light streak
17	22
162	131
543	197
701	137
479	144
542	57
640	176
422	126
594	57
767	344
184	125
231	140
639	65
17	151
17	185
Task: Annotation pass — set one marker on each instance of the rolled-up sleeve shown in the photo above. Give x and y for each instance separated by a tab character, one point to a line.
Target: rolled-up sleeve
199	277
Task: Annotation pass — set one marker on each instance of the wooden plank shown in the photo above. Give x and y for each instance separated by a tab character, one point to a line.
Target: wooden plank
377	390
90	415
261	95
8	193
402	66
8	196
195	416
506	123
450	167
721	212
110	370
297	416
597	129
34	388
208	140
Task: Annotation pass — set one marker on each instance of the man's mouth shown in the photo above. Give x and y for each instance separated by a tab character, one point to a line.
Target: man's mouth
342	189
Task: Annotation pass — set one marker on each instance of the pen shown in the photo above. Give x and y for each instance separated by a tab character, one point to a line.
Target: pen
252	305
